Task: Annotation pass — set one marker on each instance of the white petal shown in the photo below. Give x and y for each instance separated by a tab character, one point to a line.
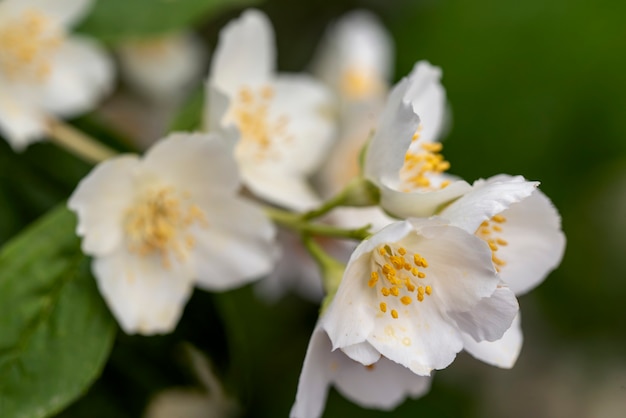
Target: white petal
363	353
491	317
101	200
236	247
354	217
307	107
501	353
486	199
535	242
245	53
201	164
320	365
397	124
419	339
428	98
350	317
384	385
21	123
278	187
81	74
162	68
420	203
145	297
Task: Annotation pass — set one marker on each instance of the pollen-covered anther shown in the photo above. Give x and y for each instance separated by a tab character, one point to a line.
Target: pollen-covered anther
422	164
158	225
261	132
396	269
28	44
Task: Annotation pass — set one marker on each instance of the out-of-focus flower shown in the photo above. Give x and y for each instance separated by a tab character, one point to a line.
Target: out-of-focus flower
157	225
403	158
381	385
163	68
523	231
207	401
412	290
43	70
285	120
355	58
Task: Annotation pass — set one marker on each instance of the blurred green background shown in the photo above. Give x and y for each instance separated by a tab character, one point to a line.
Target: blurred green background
537	88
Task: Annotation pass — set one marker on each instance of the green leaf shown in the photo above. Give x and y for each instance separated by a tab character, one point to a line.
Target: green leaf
55	331
116	20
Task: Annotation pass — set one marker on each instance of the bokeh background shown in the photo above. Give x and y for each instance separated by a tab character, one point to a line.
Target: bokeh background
537	88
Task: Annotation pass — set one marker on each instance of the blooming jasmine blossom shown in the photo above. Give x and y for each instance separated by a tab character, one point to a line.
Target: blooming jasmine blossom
523	231
285	120
381	385
44	71
157	225
403	158
412	290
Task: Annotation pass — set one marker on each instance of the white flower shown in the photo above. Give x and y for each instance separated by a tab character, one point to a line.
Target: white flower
165	67
403	158
43	70
381	385
412	290
523	231
355	58
284	119
157	225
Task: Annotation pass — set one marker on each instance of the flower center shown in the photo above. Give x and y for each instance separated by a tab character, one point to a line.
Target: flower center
399	277
258	132
158	224
27	45
357	84
423	165
491	232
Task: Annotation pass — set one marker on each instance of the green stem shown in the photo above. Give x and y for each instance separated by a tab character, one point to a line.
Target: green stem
298	223
331	269
78	143
359	192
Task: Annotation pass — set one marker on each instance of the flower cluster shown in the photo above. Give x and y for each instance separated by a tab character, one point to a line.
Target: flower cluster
340	153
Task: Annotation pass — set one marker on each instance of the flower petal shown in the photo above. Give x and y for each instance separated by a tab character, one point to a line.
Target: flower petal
202	164
144	296
487	199
397	124
363	353
21	123
278	187
81	74
67	12
420	203
491	317
535	242
101	200
236	247
306	105
245	53
501	353
428	98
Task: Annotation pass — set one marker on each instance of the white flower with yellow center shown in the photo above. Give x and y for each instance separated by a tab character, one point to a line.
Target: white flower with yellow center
355	58
158	225
523	231
381	385
403	158
412	290
43	70
284	120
